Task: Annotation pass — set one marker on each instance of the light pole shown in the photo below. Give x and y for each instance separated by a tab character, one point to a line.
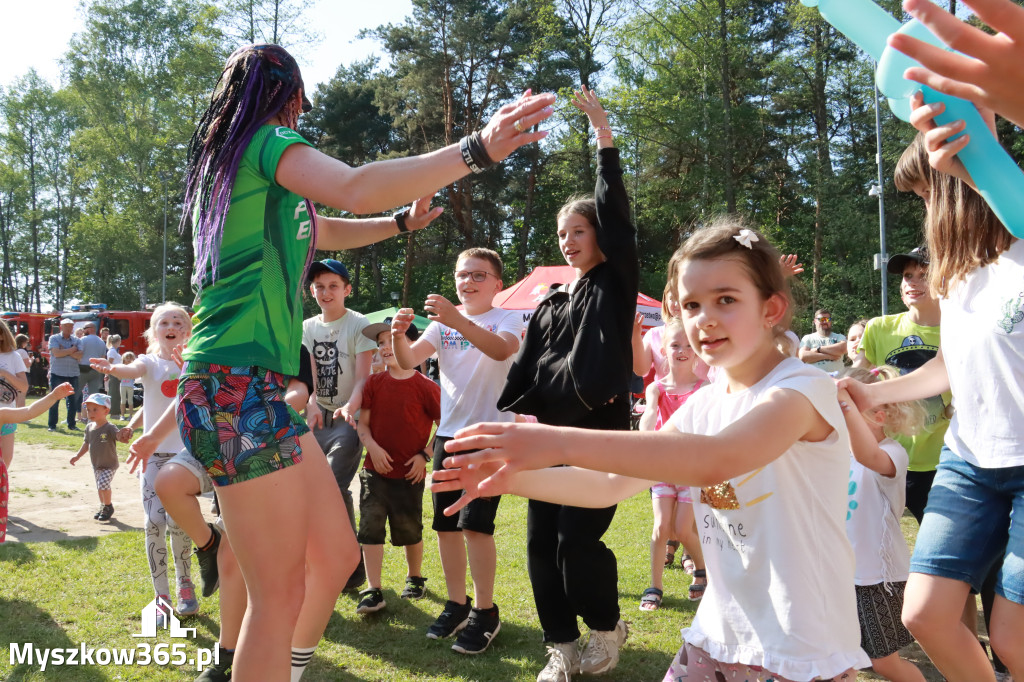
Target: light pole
877	191
163	277
394	299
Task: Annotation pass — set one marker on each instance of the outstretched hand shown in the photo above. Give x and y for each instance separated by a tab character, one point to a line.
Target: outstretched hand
101	365
586	101
988	72
790	265
421	214
510	128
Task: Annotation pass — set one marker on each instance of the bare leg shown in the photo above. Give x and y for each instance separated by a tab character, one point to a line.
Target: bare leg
178	490
414	558
1007	635
664	511
332	553
233	597
373	559
7	448
932	609
896	669
271	556
452	548
686	531
483	565
105	496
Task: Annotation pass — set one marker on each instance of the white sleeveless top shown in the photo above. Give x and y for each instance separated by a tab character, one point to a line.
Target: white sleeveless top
780	589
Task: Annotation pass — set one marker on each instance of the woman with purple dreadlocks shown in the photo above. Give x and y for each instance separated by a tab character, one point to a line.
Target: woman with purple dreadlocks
250	187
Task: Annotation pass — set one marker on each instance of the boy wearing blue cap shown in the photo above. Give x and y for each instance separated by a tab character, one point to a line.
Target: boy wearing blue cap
341	363
101	442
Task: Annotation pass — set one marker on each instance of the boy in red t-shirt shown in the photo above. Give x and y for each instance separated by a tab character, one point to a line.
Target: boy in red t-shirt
398	410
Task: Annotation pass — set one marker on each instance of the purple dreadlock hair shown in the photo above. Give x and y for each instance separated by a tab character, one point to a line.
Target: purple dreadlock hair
257	83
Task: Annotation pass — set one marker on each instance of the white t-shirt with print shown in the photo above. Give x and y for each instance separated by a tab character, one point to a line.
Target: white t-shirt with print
780	569
160	389
470	381
334	347
13	363
983	346
873	510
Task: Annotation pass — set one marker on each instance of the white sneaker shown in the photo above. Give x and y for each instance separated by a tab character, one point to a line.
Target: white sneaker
602	652
563	663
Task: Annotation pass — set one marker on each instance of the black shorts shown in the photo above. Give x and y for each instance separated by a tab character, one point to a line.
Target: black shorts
477	516
395	501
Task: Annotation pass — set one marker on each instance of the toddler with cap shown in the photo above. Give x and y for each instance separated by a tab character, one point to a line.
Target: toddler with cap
101	443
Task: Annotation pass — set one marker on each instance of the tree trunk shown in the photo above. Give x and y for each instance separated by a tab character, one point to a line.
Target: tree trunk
410	258
823	156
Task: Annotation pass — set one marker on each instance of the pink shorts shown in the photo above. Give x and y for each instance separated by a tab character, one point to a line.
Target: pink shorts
680	492
693	664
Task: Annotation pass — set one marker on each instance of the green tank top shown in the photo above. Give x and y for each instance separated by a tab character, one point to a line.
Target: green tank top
252	313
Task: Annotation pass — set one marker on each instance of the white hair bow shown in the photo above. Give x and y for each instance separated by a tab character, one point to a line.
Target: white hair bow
746	237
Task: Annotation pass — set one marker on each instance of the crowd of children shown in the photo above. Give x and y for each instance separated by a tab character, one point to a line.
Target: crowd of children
798	479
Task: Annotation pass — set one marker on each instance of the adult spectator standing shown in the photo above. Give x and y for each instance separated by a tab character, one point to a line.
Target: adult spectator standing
906	341
824	348
90	380
65	351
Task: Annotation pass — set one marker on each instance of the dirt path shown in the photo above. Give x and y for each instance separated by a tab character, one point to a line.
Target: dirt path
53	500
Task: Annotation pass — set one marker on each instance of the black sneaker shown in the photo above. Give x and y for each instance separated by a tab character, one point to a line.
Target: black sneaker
415	587
105	513
483	627
372	601
97	514
209	577
452	619
220	671
358	577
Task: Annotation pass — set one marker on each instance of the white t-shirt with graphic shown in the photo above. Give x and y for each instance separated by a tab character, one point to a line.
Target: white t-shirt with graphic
983	346
470	381
874	505
334	347
814	341
13	363
160	389
780	569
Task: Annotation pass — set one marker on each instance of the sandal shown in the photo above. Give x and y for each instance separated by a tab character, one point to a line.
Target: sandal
687	563
670	552
651	599
697	589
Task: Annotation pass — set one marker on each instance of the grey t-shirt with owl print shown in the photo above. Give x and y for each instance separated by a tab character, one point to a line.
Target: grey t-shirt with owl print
334	347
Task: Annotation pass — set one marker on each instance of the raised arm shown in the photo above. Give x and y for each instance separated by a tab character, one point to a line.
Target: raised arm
495	345
643	358
383	185
863	443
408	355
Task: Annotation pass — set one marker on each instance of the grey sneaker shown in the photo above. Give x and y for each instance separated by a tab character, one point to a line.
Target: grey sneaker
602	652
187	602
563	662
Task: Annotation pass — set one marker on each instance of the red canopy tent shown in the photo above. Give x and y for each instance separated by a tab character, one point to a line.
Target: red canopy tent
526	294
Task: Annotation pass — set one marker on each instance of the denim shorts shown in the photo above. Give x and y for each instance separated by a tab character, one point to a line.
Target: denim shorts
967	526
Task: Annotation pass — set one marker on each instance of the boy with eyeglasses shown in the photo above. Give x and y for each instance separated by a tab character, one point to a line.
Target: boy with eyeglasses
824	348
475	348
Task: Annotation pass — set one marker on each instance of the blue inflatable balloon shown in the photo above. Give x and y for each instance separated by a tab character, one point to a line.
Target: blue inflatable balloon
998	178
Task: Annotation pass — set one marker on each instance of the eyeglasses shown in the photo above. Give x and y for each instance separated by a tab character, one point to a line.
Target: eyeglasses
823	319
475	275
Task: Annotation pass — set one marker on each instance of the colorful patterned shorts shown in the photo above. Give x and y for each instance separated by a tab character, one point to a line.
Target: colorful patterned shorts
235	421
103	478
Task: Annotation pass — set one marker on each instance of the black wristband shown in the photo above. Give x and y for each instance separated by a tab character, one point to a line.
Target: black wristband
425	455
474	154
400	219
467	157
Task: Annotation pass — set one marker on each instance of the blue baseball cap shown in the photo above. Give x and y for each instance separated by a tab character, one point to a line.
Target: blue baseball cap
328	265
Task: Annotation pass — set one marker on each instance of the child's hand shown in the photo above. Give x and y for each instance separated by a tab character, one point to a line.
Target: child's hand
846	403
421	215
401	321
101	365
343	413
586	101
381	459
314	418
790	266
176	354
440	309
515	447
124	434
467	478
73	460
638	322
140	452
859	393
417	469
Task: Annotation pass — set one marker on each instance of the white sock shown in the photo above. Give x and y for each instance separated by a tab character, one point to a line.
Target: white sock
300	659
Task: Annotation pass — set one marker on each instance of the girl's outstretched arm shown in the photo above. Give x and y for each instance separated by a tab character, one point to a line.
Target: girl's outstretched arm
927	381
862	442
782	418
16	415
336	234
136	370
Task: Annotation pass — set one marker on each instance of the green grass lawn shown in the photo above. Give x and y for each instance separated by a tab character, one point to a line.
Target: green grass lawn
63	594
